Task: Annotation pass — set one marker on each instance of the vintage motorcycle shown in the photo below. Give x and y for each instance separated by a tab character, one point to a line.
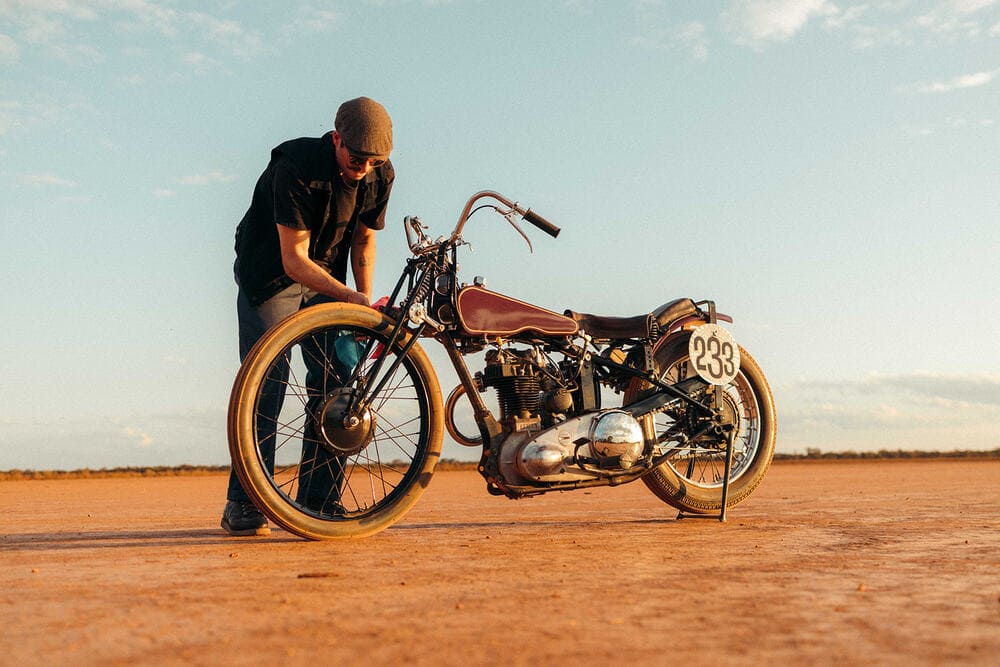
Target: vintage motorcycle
341	439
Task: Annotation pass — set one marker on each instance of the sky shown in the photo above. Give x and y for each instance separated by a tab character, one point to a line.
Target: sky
827	171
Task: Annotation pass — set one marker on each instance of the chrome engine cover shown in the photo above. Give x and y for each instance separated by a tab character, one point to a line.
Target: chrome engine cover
553	455
617	433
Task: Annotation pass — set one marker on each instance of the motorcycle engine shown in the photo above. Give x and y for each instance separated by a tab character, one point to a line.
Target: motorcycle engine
513	373
604	442
547	440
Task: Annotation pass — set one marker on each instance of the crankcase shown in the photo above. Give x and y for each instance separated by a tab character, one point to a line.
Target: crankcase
554	455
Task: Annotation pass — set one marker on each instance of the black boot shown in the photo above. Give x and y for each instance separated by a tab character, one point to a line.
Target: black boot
243	518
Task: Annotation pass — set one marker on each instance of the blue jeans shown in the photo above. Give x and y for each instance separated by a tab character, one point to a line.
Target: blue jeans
320	473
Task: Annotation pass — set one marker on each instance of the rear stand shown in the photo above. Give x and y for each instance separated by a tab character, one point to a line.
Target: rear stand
730	436
727	469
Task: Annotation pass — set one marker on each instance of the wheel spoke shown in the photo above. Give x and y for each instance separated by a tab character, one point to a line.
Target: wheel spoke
703	463
313	474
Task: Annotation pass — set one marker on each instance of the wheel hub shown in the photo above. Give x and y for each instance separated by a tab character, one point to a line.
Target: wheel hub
730	412
344	433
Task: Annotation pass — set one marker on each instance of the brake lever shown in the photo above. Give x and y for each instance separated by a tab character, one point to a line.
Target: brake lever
414	226
511	216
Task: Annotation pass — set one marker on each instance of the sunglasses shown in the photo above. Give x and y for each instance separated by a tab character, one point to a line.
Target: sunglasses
358	160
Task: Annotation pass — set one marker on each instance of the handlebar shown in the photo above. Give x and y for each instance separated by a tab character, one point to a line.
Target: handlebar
420	244
541	223
529	215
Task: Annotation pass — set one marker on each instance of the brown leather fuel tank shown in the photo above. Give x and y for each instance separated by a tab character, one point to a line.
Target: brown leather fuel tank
481	311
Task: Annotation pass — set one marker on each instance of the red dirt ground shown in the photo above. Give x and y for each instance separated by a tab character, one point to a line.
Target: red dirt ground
863	563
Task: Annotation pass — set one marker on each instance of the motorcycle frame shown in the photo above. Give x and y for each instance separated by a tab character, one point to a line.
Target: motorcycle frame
430	261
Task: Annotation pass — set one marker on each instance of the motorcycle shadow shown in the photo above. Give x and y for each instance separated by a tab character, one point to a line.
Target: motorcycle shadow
118	539
553	523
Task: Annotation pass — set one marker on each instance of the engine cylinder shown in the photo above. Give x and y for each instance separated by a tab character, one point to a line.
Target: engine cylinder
517	388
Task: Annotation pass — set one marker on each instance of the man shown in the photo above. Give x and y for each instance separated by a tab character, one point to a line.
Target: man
318	203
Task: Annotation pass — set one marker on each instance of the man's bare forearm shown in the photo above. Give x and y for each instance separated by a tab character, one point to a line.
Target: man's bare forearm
363	261
303	270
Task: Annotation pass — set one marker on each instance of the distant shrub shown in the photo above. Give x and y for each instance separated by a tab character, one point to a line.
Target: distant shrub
811	454
814	453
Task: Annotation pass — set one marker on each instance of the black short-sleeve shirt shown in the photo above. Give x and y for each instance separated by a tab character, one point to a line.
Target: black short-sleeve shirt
301	188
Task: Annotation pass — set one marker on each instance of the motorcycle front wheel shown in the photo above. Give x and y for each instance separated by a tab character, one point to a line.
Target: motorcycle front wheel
691	478
312	462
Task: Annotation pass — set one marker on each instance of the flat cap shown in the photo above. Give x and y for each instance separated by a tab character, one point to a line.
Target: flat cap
365	127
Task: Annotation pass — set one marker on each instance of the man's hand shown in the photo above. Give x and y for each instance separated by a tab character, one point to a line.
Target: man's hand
358	298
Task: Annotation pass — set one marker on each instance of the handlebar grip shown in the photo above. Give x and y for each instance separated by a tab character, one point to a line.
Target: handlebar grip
541	223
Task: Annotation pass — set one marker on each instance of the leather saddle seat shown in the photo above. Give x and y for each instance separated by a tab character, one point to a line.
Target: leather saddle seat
483	312
636	326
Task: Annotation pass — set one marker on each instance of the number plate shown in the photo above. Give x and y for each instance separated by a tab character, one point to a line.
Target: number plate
714	354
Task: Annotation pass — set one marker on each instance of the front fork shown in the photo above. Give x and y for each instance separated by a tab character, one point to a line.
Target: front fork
489	427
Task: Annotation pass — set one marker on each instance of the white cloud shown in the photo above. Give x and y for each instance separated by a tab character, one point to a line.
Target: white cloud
76	9
692	37
972	6
658	30
7	121
901	23
148	15
14	115
841	18
312	20
973	80
967	389
955	17
55	25
201	63
9	51
209	178
954	123
41	29
76	53
41	180
918	130
138	436
228	34
760	21
867	36
163	193
195	437
908	411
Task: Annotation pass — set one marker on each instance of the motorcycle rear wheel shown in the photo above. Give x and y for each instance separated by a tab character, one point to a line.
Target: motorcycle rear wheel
303	468
691	479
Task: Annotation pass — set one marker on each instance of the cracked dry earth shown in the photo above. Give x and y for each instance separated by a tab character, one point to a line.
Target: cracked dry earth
849	562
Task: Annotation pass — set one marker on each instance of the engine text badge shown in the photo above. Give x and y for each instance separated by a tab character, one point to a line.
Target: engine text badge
714	354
